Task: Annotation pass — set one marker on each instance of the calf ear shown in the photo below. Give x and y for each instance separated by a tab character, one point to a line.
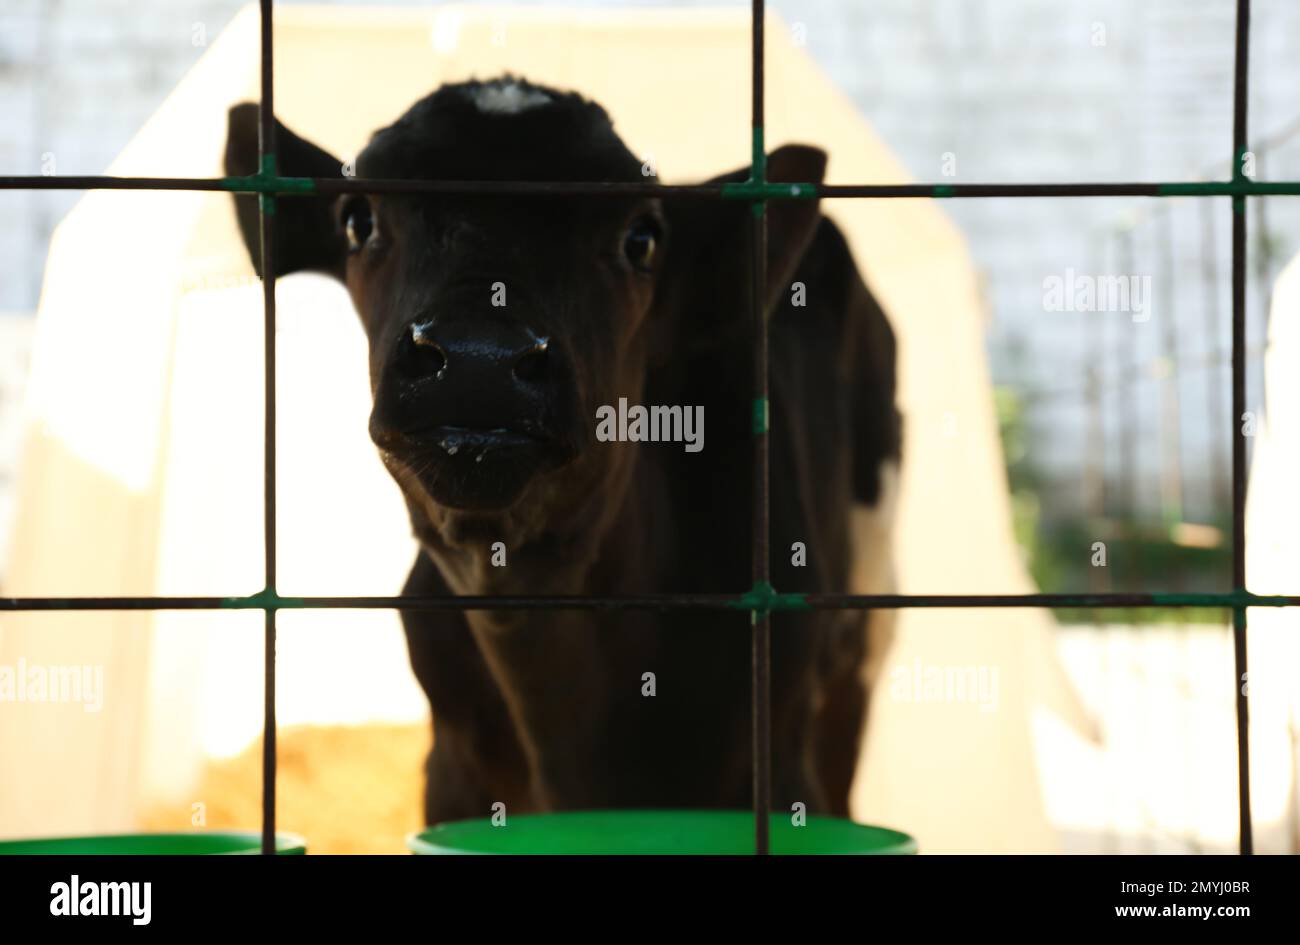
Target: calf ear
791	223
709	244
305	234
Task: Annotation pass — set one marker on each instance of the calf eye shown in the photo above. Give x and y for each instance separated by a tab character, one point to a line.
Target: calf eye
639	243
358	222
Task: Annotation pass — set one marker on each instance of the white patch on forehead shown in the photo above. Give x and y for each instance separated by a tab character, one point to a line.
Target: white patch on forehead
507	98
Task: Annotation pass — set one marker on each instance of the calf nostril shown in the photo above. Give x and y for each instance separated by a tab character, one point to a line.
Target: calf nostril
533	364
427	357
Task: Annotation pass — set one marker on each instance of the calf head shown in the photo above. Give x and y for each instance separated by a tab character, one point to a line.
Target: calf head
498	325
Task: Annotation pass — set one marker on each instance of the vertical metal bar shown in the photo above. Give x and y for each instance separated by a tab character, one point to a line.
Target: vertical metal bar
761	657
266	210
757	85
1239	103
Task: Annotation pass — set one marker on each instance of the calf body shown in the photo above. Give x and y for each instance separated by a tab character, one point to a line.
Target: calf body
500	330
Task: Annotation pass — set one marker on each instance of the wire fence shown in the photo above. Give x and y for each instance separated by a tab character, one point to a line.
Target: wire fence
761	600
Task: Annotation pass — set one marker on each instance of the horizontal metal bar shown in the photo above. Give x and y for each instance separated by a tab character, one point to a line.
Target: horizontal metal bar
299	186
1237	188
291	186
770	601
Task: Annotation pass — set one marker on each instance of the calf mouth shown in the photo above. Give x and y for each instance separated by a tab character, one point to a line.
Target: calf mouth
479	442
475	468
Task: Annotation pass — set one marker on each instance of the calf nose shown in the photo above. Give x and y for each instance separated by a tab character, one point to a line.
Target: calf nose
477	354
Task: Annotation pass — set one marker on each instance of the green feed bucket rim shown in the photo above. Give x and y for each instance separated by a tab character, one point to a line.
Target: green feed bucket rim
197	843
688	832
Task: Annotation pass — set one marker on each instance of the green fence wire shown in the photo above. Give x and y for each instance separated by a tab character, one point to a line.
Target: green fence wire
762	599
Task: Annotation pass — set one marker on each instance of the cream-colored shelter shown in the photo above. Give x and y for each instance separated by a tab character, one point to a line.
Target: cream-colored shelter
142	471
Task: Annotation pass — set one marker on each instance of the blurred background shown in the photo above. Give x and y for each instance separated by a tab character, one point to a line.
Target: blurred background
1113	425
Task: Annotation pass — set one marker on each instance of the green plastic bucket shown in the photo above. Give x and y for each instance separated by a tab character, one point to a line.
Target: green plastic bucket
145	844
688	832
